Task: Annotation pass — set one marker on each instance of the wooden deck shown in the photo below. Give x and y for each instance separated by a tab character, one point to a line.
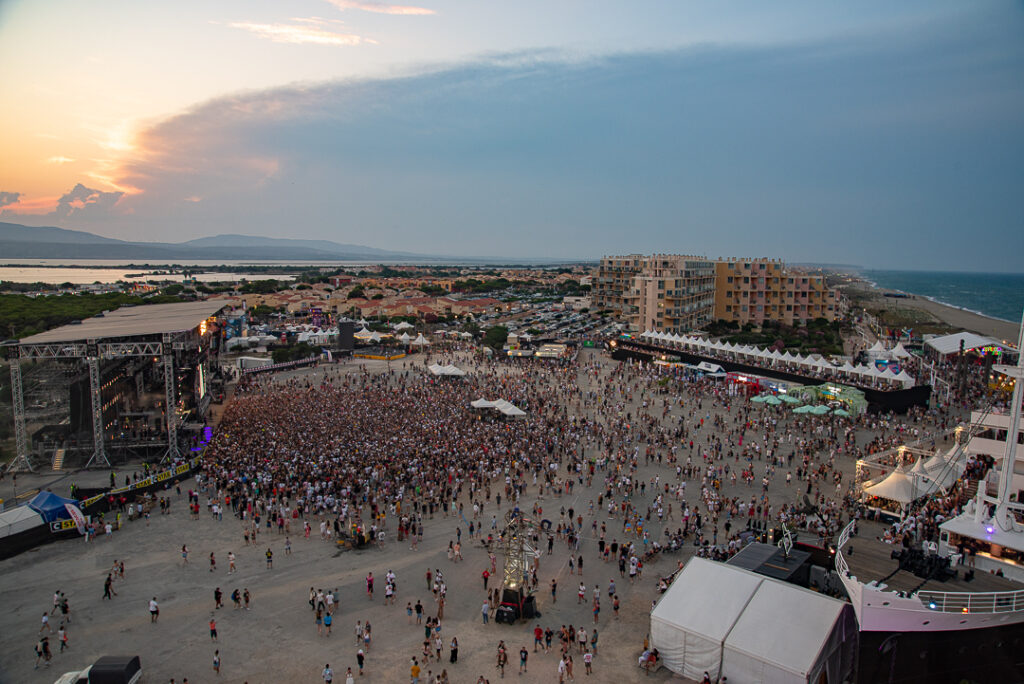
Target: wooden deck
872	560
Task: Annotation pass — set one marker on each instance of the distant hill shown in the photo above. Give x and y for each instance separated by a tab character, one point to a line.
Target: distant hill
47	242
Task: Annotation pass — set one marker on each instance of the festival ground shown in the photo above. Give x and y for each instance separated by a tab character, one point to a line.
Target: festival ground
276	640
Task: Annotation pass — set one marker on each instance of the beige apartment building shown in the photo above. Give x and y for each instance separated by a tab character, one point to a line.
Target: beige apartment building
759	290
669	292
675	293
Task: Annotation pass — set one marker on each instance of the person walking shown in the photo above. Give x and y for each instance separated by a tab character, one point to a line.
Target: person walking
231	562
218	597
62	636
349	679
108	588
184	555
216	662
328	674
213	562
454	656
270	559
360	659
484	610
154	610
213	629
523	656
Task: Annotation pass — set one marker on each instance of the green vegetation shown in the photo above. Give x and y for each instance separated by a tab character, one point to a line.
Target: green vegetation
496	336
474	286
21	316
818	336
260	287
302	350
357	292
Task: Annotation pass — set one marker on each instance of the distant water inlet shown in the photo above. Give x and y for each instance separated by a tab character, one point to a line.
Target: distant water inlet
87	276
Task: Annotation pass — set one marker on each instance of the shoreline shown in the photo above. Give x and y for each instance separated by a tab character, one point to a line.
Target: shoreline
947	314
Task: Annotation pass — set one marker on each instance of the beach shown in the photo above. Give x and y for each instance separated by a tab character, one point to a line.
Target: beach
926	315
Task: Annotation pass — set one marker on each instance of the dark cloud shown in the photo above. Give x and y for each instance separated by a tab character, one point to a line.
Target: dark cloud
86	201
8	198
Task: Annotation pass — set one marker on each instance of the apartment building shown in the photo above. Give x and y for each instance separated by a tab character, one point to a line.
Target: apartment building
669	292
759	290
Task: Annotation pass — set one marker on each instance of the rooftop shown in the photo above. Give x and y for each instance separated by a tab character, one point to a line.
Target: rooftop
152	319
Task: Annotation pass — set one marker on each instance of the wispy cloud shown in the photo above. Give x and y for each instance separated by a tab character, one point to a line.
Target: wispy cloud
380	7
60	160
306	32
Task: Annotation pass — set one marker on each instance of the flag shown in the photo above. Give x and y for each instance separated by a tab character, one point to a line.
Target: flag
76	514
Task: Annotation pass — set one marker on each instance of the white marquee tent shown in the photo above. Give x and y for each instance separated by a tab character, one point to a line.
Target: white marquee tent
454	371
18	520
717	618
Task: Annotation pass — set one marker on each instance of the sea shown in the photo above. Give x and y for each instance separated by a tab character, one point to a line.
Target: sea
996	295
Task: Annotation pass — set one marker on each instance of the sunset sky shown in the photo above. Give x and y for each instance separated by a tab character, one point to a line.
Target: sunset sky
878	133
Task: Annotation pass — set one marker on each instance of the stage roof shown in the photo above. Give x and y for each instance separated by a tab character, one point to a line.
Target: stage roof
152	319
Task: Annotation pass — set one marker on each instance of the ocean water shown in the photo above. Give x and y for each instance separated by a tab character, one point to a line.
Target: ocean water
997	295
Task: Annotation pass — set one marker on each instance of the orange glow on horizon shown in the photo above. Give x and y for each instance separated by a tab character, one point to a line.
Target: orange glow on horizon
34	205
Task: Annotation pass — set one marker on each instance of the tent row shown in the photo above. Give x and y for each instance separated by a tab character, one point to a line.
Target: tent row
717	618
500	405
811	362
365	335
927	476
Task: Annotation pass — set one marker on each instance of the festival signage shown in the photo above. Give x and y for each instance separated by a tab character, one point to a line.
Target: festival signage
76	516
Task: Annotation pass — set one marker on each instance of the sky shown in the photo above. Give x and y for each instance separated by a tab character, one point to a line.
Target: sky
889	135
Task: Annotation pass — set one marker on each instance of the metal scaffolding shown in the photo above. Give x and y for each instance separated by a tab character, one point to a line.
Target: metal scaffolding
20	461
170	410
96	394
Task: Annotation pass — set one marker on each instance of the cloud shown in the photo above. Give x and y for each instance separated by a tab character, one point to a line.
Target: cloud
8	198
83	200
847	151
306	32
60	160
380	7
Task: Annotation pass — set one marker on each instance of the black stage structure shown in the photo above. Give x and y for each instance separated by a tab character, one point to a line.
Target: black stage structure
99	378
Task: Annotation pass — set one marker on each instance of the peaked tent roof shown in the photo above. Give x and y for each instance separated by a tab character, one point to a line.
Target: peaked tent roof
950	344
51	506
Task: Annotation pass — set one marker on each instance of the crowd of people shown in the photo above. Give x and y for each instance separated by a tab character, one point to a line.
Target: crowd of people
659	462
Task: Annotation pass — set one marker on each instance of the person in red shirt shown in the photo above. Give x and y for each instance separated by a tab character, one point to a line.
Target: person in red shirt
486	575
538	636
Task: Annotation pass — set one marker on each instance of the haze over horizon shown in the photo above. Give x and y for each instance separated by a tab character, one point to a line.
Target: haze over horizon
876	134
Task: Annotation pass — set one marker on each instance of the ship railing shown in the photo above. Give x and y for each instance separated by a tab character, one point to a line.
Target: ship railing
968	602
841	566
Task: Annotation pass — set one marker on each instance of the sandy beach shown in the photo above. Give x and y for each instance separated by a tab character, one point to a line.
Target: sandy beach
919	312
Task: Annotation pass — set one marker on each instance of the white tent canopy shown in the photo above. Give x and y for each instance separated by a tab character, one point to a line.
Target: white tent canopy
950	344
504	407
717	618
18	520
900	352
898	487
454	371
694	616
404	325
807	648
420	341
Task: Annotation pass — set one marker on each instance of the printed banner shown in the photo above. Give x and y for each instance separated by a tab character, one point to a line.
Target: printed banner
76	516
